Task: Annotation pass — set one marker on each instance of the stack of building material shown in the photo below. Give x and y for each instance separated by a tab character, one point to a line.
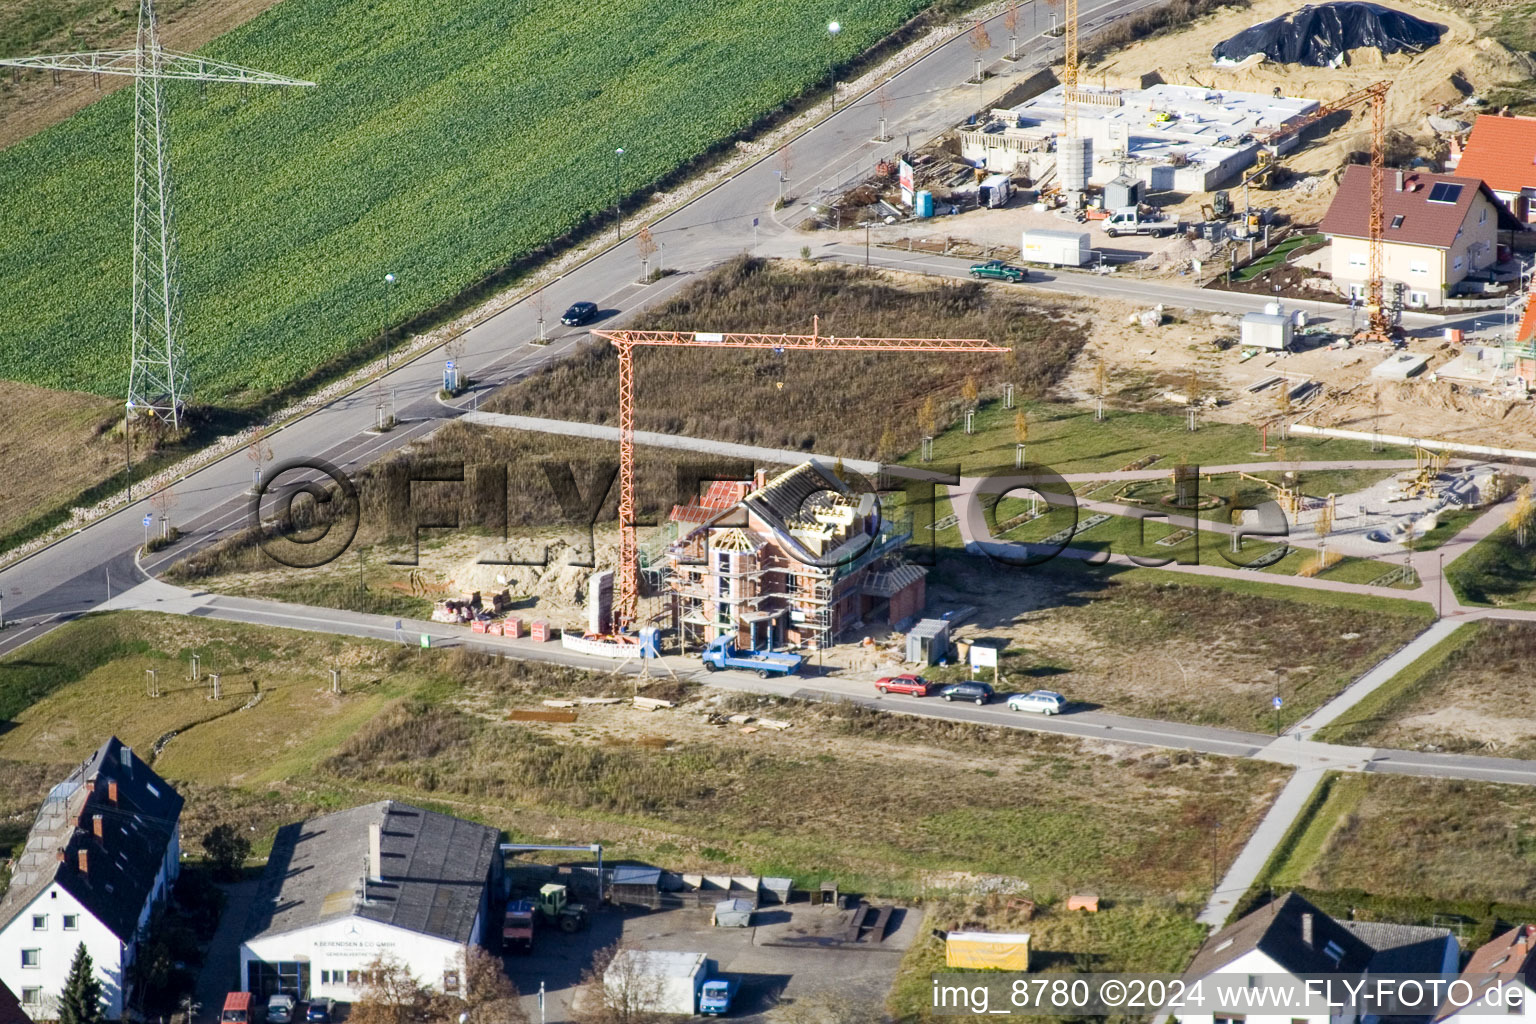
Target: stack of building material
540	631
512	627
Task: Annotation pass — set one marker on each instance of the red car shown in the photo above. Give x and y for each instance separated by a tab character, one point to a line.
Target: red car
917	686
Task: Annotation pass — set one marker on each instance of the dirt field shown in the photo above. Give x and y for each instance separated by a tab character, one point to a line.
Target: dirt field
1461	64
40	425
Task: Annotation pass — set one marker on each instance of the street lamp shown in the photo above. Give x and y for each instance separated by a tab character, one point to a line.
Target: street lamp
618	211
833	28
389	280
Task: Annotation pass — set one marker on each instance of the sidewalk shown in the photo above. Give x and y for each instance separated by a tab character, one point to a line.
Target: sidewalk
1256	852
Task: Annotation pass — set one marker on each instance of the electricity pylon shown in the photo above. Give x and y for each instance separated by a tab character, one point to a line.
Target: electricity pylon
157	375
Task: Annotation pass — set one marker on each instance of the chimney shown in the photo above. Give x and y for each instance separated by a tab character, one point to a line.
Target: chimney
1306	930
1399	179
85	865
61	856
96	825
111	791
375	840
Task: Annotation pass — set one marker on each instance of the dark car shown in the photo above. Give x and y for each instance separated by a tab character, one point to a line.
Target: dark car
580	313
999	270
319	1011
973	690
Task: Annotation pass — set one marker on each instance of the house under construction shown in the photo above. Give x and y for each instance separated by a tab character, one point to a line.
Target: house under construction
795	560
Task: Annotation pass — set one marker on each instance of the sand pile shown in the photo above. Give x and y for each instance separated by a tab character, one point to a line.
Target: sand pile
558	588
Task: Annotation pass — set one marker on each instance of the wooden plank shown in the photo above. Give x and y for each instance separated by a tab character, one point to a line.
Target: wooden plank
882	920
857	923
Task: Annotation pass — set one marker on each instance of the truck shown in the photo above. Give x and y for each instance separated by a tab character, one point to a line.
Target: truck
716	995
1129	220
1056	248
722	653
517	926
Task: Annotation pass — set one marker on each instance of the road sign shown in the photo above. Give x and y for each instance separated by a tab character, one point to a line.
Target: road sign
426	641
906	180
1277	702
449	364
754	222
149	519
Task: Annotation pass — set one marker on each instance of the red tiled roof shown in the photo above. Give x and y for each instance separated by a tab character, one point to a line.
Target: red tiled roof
1423	222
1502	152
1527	329
1505	957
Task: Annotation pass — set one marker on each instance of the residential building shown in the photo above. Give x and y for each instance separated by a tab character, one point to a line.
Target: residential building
798	559
10	1008
99	860
1291	938
384	879
1502	152
1503	975
1523	345
1437	231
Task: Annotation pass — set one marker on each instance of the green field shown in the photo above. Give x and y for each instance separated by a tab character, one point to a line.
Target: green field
442	144
1496	572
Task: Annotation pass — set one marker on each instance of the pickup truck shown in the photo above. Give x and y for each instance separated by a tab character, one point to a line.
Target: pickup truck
917	686
1130	221
999	270
723	654
716	995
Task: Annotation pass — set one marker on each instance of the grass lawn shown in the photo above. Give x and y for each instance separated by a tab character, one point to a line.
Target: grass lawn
1496	572
1425	851
1069	440
1467	694
1276	256
440	146
830	797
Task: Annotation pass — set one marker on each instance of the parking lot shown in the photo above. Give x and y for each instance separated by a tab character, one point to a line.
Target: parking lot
789	952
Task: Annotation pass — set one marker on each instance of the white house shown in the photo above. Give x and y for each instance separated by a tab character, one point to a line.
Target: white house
100	858
1500	973
385	879
1292	939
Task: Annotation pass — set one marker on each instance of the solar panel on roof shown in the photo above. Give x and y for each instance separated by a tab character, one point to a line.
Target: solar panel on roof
1444	192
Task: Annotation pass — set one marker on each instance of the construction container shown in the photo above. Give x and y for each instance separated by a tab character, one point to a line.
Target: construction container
1267	330
777	888
923	204
1122	191
662	982
1057	248
733	914
540	631
998	951
512	627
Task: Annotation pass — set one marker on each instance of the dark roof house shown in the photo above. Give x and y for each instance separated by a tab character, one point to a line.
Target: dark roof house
1406	948
102	834
10	1008
1297	936
427	875
1419	208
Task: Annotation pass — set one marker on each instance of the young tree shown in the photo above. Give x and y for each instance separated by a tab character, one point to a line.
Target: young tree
645	248
885	451
981	42
970	392
226	848
928	417
1021	427
80	1002
1011	23
884	99
1521	515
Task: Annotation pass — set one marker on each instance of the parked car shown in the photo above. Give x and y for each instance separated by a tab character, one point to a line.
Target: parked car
580	313
1044	702
917	686
973	689
319	1011
999	270
280	1008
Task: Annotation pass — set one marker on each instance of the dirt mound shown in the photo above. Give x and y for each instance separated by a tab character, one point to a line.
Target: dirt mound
1320	36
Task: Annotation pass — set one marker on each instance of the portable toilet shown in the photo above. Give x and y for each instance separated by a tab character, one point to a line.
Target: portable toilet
923	203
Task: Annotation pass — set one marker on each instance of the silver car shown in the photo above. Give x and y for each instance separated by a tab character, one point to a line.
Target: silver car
280	1009
1044	702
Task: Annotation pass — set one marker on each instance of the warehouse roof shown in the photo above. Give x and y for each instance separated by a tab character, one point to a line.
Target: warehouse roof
1502	152
1426	209
112	873
433	869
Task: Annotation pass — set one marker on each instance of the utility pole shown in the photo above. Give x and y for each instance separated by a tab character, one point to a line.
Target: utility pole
389	284
157	377
618	206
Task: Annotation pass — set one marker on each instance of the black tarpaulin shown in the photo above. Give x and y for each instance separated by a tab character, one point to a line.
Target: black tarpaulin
1317	35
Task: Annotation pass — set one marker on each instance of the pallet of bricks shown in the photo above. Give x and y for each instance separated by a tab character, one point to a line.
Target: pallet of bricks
540	631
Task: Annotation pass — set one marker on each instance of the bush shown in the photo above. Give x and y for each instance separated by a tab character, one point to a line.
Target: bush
226	848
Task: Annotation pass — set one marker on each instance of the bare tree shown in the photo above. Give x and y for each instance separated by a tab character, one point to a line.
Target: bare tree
884	100
1011	23
164	502
619	988
786	163
541	307
258	451
391	995
645	248
981	42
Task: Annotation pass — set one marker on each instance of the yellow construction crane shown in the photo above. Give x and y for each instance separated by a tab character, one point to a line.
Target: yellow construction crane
1069	73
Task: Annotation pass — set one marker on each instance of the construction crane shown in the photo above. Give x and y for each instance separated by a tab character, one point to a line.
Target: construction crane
1379	325
1069	73
627	596
157	374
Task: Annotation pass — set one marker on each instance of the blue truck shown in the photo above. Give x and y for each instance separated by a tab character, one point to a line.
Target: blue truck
722	653
716	995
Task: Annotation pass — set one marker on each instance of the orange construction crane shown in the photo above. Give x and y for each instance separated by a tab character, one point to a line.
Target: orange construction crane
1379	327
627	597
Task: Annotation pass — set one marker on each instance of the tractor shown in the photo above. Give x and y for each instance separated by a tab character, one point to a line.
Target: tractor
556	911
